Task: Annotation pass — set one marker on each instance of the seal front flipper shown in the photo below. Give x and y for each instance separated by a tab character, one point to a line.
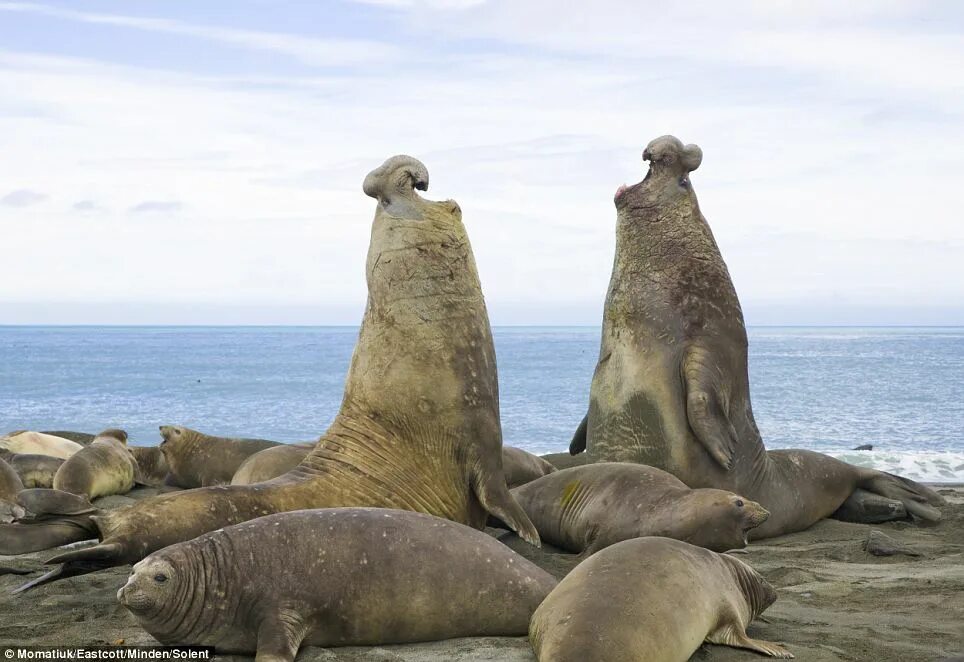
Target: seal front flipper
578	443
731	635
494	495
704	406
280	636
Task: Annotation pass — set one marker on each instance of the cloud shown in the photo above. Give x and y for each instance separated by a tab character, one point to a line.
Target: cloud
85	206
157	207
22	198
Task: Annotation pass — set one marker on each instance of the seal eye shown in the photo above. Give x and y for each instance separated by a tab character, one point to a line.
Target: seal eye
683	181
739	503
160	578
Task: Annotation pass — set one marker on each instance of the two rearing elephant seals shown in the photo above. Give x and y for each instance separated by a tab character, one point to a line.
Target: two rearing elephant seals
350	577
671	388
419	425
651	599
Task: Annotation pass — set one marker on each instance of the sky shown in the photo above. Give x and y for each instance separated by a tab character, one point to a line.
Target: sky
201	162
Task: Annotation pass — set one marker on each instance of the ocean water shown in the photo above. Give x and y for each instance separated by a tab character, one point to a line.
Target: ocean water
826	389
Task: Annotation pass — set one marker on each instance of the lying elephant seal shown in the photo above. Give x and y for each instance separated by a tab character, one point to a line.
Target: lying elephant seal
26	442
270	463
350	577
10	486
589	508
36	470
521	467
419	423
195	459
150	465
671	388
651	599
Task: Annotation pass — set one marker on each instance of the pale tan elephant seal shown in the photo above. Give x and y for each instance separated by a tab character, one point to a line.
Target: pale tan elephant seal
270	463
652	599
195	459
36	470
671	388
26	442
349	577
521	467
419	425
589	508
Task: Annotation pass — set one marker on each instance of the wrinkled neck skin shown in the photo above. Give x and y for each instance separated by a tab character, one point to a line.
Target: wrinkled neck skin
757	592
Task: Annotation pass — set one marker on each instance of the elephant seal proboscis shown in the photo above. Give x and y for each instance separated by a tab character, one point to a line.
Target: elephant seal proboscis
419	425
270	463
588	508
521	467
36	470
10	486
27	442
671	388
195	459
350	577
651	599
151	466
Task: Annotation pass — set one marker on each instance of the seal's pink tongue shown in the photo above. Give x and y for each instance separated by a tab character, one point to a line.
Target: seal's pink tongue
619	191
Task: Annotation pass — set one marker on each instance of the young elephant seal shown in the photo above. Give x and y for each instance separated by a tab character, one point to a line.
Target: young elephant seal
195	459
36	470
350	577
10	486
151	466
671	388
521	467
419	425
651	599
38	443
589	508
270	463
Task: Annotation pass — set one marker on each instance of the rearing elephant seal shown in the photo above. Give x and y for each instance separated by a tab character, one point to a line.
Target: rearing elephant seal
350	577
651	599
589	508
419	424
195	459
671	388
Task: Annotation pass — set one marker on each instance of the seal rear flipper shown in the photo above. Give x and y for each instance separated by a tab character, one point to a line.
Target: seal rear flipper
47	501
578	443
494	495
61	572
704	410
917	499
26	537
80	562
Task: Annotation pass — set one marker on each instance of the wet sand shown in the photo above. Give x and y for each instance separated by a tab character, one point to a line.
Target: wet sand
836	601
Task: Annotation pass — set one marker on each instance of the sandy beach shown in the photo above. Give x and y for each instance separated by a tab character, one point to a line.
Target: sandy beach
836	601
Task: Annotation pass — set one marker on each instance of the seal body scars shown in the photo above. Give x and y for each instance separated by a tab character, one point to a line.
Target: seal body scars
38	443
521	467
671	388
651	599
270	463
351	576
588	508
195	459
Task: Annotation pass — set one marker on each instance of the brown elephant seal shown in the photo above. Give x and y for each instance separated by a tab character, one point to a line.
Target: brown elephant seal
270	463
651	599
589	508
419	425
151	465
671	388
521	467
36	470
350	577
195	459
26	442
10	486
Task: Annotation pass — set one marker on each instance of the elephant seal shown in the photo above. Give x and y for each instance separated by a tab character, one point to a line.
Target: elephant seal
195	459
26	442
589	508
651	599
151	466
270	463
671	388
418	427
36	470
10	486
521	467
350	577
